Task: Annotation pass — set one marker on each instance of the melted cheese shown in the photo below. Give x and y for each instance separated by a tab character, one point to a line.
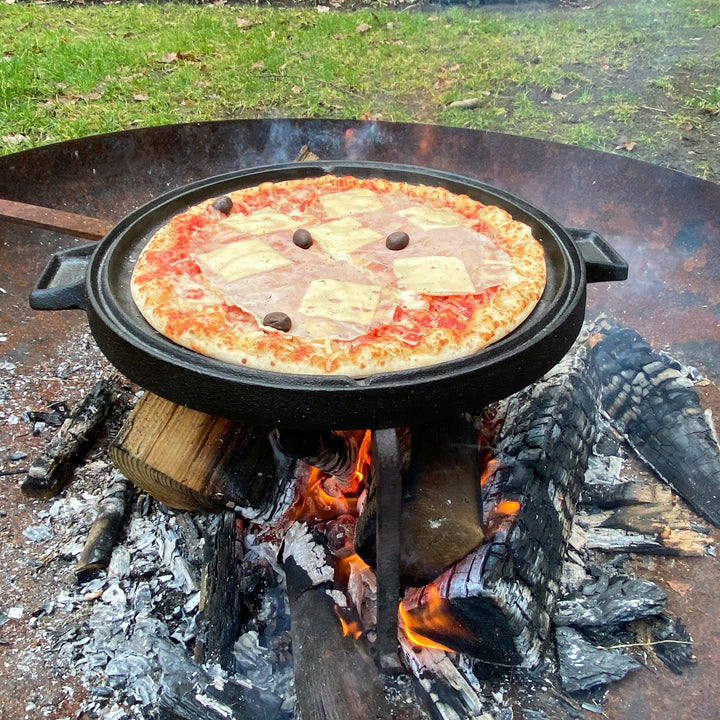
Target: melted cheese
340	237
261	222
341	301
433	275
429	217
349	202
241	259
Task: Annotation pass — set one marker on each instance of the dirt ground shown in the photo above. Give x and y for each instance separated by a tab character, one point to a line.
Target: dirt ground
34	684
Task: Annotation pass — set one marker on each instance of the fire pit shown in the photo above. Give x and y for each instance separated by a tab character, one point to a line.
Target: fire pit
634	205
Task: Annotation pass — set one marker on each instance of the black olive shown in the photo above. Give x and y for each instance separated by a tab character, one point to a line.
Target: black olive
278	320
302	238
224	204
397	240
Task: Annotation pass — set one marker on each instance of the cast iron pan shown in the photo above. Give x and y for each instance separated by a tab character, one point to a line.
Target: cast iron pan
96	278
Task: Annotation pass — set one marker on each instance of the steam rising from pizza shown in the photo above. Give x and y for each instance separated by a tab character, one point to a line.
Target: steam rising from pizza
339	275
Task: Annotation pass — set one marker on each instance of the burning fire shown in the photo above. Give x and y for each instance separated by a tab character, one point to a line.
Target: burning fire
324	499
434	617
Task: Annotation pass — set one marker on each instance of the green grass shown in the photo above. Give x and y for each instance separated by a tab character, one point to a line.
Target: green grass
553	73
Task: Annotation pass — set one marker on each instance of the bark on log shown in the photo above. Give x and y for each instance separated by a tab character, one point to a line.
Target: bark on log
189	460
218	615
500	596
335	676
654	405
52	468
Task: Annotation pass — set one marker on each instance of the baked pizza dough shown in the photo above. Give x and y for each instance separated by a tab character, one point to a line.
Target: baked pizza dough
339	276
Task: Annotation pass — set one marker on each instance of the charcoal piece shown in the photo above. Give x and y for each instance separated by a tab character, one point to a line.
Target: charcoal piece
654	405
196	697
52	468
501	594
105	529
583	666
218	615
623	601
672	643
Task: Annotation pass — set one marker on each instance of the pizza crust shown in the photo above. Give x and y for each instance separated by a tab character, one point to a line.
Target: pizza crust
418	316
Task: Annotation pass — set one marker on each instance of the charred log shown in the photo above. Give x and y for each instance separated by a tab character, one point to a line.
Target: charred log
218	615
649	529
333	453
653	403
500	596
335	676
52	468
105	529
441	518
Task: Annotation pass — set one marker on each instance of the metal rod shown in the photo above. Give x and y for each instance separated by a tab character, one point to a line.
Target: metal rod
386	469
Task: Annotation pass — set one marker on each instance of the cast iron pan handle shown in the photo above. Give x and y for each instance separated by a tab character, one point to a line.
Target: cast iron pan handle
62	284
602	262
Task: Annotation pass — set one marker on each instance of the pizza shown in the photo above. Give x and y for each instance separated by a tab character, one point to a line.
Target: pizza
339	275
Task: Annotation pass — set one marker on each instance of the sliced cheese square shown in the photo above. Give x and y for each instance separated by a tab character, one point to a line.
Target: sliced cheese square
340	237
429	217
241	259
341	301
262	222
433	275
349	202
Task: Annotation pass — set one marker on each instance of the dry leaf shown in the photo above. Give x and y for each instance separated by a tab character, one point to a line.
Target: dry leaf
323	8
14	139
454	68
296	89
623	143
260	65
339	36
555	95
362	28
140	97
168	58
244	23
681	588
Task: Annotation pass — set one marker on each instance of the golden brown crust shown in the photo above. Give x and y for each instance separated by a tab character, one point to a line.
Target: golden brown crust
176	298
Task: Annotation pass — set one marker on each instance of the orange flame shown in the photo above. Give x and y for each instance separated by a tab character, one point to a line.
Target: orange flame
350	628
324	499
433	616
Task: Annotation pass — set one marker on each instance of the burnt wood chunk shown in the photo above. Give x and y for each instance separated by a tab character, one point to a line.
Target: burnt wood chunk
583	666
622	602
218	615
654	405
441	519
106	528
52	468
195	696
499	598
189	460
335	676
649	528
333	453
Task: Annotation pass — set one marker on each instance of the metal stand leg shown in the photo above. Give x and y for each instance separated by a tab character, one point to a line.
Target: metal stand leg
386	469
